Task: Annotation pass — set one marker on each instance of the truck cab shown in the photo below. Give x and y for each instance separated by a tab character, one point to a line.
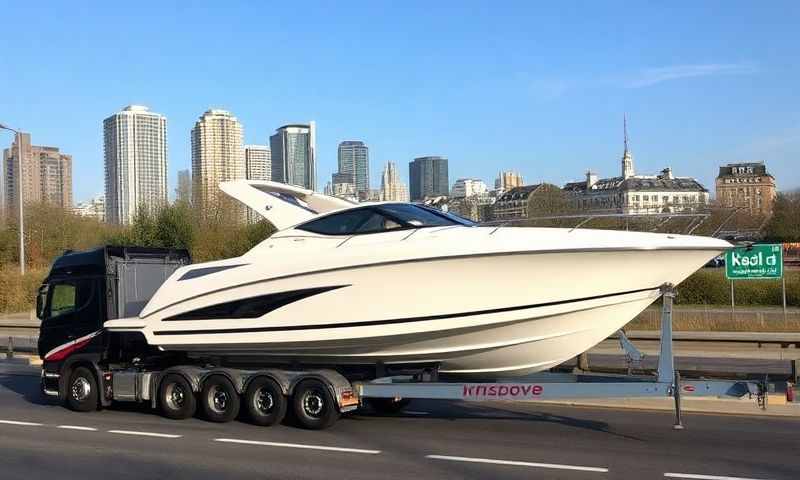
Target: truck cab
85	289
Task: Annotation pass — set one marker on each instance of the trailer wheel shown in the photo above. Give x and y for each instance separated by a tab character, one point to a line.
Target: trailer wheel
82	391
388	405
265	402
219	399
314	406
176	398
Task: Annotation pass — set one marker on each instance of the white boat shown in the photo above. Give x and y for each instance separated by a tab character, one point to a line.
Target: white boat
401	284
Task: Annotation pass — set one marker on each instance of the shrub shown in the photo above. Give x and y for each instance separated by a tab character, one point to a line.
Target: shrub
710	287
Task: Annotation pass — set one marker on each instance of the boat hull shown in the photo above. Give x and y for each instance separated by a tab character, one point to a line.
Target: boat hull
511	313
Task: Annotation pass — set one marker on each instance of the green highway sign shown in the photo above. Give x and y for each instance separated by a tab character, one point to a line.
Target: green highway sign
757	261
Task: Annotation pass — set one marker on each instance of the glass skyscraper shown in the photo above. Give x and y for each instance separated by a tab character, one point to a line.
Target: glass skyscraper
428	177
294	155
354	160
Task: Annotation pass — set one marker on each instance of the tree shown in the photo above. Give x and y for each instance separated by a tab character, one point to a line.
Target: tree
784	226
549	200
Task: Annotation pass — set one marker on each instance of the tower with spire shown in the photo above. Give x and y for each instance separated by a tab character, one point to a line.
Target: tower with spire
627	158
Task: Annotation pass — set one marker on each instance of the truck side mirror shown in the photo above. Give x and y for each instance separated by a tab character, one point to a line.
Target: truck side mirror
41	298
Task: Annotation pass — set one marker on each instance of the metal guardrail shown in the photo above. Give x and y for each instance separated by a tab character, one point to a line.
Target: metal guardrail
784	339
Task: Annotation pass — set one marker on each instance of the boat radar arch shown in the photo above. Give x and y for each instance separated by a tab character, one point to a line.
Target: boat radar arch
283	205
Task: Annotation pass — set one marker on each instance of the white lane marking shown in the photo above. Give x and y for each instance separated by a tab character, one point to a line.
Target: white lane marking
697	476
412	412
24	424
145	434
516	463
297	445
77	427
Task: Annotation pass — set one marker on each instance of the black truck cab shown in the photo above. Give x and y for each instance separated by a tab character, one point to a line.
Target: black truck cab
82	291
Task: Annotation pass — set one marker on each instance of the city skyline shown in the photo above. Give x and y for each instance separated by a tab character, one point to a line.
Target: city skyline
544	101
260	166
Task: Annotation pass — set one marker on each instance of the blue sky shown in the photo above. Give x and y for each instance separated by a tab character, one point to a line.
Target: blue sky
525	86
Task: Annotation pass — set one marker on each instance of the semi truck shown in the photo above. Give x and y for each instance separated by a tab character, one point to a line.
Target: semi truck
87	367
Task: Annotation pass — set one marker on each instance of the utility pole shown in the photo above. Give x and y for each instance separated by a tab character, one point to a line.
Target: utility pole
19	198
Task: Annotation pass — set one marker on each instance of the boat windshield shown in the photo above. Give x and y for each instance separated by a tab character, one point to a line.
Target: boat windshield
419	216
381	218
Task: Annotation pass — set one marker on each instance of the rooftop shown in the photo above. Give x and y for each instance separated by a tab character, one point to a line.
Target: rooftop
638	183
519	193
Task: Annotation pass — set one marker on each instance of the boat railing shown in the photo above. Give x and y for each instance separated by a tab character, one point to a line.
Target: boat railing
584	219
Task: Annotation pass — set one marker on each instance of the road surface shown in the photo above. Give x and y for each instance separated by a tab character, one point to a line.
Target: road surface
434	439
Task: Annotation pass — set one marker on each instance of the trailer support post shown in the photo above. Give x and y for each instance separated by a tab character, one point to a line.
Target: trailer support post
583	362
676	393
666	366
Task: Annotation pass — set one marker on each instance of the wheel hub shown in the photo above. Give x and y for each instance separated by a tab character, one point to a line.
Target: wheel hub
176	397
313	403
81	389
264	400
220	399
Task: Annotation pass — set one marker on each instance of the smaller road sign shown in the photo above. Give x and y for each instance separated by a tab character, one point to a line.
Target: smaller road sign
757	261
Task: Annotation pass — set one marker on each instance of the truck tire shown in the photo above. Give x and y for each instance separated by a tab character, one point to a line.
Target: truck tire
176	398
388	405
265	402
314	406
219	399
82	390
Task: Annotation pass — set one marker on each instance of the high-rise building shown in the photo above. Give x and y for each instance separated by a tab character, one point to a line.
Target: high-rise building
258	162
468	187
46	175
183	192
217	156
135	151
294	155
342	186
392	188
507	180
258	166
354	160
428	177
746	185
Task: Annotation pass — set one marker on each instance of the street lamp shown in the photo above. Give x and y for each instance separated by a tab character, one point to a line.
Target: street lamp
19	198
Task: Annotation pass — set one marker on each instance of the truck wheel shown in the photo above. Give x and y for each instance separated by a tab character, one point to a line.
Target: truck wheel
176	398
265	402
82	391
314	406
219	399
388	405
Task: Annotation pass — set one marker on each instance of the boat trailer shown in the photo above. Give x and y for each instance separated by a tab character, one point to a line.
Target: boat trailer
667	382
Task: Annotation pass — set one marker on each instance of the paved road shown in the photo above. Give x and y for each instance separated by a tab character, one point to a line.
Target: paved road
433	440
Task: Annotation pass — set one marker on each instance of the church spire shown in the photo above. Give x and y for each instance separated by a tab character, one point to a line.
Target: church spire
627	158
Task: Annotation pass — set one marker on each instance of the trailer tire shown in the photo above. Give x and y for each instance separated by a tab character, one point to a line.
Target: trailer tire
265	402
314	406
176	398
82	390
388	405
219	399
